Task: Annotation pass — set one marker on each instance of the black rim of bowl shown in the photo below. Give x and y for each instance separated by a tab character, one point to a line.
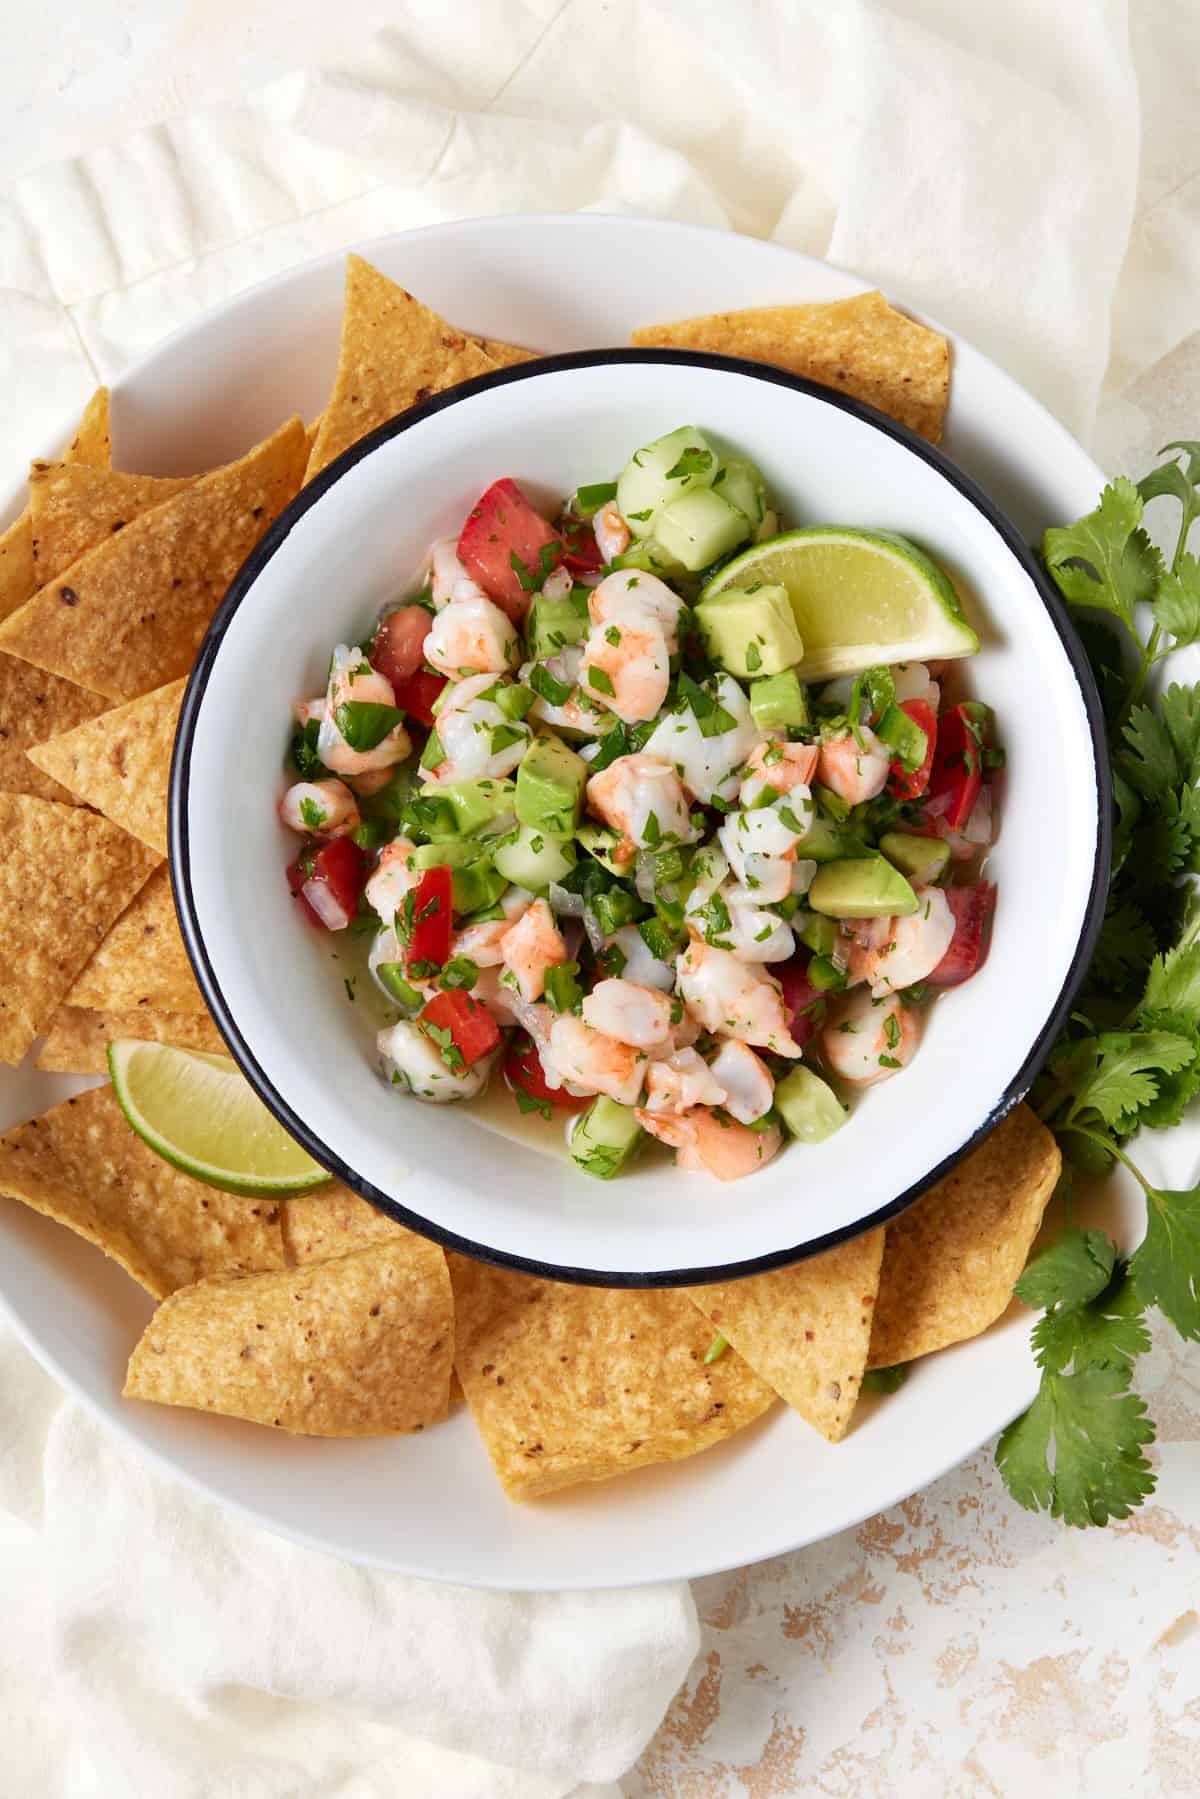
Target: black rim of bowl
180	859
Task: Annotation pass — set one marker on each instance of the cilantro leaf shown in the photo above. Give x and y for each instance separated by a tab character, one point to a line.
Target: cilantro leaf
1177	1090
1166	1266
1072	1271
1124	948
1097	1429
1149	762
1180	708
1106	1332
1106	560
1117	1074
1177	606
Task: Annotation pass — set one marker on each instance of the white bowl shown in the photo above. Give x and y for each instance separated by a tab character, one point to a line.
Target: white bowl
347	545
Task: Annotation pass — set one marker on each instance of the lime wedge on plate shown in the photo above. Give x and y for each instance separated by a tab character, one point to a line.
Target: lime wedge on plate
200	1113
860	598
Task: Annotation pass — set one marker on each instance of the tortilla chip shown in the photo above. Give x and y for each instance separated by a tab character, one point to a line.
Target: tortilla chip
860	346
333	1222
77	1040
805	1329
90	445
82	1166
130	614
503	355
74	508
357	1347
121	762
142	961
65	875
394	352
571	1384
34	706
950	1261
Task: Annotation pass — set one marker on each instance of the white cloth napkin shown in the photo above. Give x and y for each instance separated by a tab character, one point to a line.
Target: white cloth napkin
978	161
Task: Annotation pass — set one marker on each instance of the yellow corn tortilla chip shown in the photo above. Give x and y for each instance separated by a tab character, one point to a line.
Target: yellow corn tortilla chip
82	1165
356	1347
331	1222
805	1329
570	1384
121	762
950	1261
142	962
90	445
394	351
77	1040
130	614
34	706
73	508
860	346
65	875
503	355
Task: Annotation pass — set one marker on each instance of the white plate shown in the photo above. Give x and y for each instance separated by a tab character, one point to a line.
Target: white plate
429	1505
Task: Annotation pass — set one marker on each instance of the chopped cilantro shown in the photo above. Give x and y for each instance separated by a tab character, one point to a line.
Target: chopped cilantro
563	992
600	679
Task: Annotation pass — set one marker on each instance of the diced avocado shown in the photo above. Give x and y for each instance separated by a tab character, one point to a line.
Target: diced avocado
808	1106
514	700
922	859
818	934
605	1139
533	858
450	852
751	631
391	800
699	529
861	887
599	841
663	471
553	623
903	735
740	482
823	841
648	555
473	804
550	783
474	881
779	703
826	975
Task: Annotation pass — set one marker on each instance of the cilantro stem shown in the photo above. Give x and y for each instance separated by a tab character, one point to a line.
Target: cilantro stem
1106	1143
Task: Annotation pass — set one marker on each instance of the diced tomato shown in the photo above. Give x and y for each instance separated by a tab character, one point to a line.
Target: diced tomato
473	1030
801	998
524	1073
432	921
972	908
398	643
582	553
416	694
957	772
328	877
508	547
906	784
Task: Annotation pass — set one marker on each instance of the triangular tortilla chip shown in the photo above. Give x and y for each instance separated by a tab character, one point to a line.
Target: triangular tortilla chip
34	706
130	614
951	1260
65	875
74	508
861	346
503	355
356	1347
90	445
82	1165
142	962
571	1384
77	1040
333	1222
120	762
394	352
805	1329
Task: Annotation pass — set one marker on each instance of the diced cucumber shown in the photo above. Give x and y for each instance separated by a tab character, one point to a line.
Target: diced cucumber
649	556
740	482
779	703
599	841
605	1139
922	859
700	528
818	934
808	1106
663	471
533	858
554	623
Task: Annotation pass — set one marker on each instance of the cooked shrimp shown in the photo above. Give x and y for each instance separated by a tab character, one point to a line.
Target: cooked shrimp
632	1014
468	724
448	579
393	878
866	1039
484	943
854	771
472	637
908	949
682	1080
369	781
708	764
749	1088
733	999
753	934
760	846
611	532
352	681
628	669
592	1062
713	1145
777	765
411	1061
304	710
500	1000
628	596
530	947
637	963
642	800
319	809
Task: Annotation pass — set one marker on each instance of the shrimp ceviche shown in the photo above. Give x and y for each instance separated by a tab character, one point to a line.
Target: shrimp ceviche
600	827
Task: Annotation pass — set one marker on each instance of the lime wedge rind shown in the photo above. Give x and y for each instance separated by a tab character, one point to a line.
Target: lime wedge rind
199	1113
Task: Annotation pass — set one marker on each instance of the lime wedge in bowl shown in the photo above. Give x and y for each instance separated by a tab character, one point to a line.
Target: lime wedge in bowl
860	598
200	1113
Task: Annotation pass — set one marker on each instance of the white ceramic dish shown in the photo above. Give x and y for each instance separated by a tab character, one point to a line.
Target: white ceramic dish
430	1505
